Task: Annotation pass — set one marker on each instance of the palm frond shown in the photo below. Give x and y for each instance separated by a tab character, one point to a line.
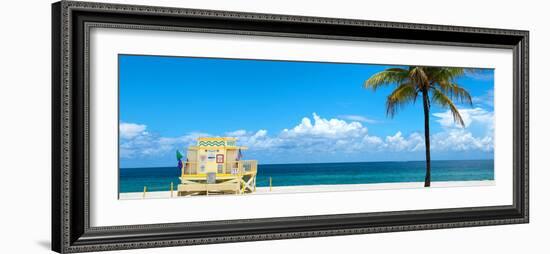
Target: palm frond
419	75
402	95
445	73
444	101
454	91
439	81
386	77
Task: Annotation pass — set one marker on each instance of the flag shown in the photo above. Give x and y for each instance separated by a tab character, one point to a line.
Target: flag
179	156
239	155
180	164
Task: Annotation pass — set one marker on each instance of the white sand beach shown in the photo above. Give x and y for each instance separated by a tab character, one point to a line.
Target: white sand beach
319	188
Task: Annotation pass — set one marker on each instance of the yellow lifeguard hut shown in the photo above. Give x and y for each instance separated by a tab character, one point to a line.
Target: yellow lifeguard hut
214	166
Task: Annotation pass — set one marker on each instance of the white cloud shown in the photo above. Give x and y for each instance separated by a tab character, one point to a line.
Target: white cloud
397	142
358	118
257	140
131	130
319	134
487	99
310	135
460	140
456	138
328	128
469	116
373	141
236	133
322	136
136	141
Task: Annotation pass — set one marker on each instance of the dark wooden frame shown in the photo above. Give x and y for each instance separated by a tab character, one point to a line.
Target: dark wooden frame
71	22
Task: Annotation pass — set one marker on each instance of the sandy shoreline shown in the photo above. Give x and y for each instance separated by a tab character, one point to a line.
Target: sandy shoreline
321	188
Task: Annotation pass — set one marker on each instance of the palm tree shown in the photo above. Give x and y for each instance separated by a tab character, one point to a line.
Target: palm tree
435	85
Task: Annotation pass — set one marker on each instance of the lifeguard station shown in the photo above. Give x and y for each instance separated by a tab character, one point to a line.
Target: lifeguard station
215	166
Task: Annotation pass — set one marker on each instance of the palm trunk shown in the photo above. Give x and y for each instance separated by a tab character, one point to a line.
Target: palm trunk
425	101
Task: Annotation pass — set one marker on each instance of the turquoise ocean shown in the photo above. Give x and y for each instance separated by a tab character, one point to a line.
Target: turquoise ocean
159	178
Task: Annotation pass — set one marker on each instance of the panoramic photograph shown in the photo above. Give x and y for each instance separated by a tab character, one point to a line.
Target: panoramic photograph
195	126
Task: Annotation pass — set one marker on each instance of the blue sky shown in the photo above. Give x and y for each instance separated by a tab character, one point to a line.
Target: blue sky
286	112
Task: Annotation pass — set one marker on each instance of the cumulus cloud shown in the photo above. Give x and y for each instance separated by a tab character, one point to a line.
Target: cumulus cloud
460	140
373	140
131	130
469	116
136	141
323	135
258	140
456	138
315	134
328	128
398	142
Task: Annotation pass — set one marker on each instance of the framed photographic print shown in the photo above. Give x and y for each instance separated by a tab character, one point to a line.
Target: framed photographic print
181	126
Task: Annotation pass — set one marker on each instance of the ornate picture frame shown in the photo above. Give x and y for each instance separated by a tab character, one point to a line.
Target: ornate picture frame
71	229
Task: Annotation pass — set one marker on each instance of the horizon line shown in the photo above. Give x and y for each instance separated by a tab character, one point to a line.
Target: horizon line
348	162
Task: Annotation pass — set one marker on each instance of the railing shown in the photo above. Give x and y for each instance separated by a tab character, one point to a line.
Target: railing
231	167
241	167
189	168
